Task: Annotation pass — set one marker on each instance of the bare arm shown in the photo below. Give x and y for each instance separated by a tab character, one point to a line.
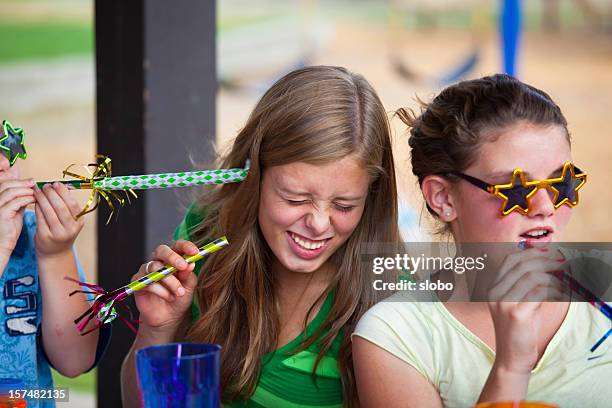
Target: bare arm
384	380
505	385
70	353
515	299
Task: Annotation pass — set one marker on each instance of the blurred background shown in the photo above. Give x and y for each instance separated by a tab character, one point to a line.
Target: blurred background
405	48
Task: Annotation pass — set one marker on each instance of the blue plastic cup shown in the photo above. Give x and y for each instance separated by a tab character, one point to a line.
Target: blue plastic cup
179	375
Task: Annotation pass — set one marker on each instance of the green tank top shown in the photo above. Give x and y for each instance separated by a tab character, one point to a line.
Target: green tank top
286	378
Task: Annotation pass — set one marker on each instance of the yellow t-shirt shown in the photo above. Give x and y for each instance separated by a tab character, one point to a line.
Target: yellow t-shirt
429	338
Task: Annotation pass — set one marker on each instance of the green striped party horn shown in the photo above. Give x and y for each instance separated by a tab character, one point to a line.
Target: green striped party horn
105	186
101	178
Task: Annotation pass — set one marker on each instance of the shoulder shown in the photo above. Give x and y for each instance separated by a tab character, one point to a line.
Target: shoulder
404	329
400	317
399	313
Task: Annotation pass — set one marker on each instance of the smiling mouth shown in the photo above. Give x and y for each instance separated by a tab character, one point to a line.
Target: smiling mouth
537	233
306	243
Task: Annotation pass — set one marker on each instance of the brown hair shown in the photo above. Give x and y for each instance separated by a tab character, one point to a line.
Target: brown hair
316	115
449	131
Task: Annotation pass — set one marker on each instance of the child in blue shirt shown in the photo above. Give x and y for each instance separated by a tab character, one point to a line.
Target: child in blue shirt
36	313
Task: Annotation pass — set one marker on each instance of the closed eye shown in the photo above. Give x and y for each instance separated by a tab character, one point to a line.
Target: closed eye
344	208
297	202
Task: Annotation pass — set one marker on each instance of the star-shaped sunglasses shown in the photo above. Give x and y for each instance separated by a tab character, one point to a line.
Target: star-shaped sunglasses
11	142
516	195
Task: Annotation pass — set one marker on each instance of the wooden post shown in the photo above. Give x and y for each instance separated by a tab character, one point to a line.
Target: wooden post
155	92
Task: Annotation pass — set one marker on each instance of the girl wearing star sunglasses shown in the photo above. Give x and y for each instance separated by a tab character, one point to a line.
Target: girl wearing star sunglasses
493	161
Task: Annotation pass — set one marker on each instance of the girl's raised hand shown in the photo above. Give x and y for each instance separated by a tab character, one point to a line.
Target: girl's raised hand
15	195
523	284
163	304
57	226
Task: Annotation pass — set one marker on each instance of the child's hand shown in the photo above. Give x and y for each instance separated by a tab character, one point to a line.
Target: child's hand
163	304
57	227
15	195
523	284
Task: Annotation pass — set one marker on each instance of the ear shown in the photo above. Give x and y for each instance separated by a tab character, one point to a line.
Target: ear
438	195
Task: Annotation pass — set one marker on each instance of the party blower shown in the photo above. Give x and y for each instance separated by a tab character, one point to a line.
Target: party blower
104	305
107	187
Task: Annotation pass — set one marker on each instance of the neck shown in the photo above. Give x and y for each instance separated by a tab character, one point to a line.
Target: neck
296	294
290	284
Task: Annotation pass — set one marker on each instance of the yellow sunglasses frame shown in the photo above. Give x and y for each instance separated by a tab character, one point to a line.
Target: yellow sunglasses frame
497	189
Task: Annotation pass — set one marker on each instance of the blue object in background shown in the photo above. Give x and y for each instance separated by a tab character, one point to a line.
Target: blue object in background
179	375
462	70
510	33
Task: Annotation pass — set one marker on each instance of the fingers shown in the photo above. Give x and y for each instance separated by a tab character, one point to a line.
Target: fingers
68	200
19	203
13	189
546	294
513	259
47	211
188	278
175	283
141	272
57	205
185	247
171	286
57	212
532	283
525	274
41	223
8	184
9	195
155	288
166	255
153	266
158	290
170	282
16	194
534	299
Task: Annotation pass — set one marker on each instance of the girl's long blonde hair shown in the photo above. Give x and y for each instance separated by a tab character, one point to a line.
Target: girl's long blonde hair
316	115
